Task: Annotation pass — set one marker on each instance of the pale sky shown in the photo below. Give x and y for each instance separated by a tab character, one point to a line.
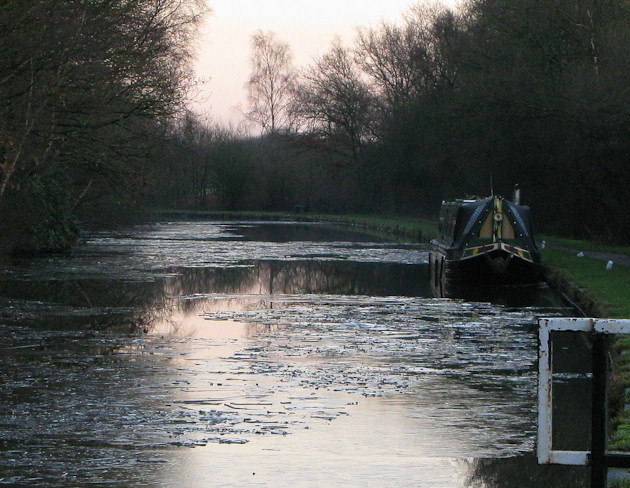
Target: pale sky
308	26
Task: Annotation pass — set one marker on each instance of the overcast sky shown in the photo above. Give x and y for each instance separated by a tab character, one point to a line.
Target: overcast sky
308	26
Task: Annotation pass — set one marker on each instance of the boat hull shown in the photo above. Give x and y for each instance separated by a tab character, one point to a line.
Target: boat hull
493	268
487	241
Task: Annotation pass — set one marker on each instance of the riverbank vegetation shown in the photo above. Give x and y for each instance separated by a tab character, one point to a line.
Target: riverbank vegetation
441	104
85	89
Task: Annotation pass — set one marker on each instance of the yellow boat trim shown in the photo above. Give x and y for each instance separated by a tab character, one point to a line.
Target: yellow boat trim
471	252
517	251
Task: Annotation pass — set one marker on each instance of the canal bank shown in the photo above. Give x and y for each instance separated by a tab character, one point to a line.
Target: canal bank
598	281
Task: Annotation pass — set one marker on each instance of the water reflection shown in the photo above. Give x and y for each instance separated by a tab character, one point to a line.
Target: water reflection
509	295
523	472
306	362
299	232
303	277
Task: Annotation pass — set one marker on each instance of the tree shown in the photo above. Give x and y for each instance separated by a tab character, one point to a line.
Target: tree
408	61
76	68
78	83
271	83
413	72
541	102
334	102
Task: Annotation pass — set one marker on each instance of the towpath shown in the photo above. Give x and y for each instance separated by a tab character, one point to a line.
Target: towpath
616	258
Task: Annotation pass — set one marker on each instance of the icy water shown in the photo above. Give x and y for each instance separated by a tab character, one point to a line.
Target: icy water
201	354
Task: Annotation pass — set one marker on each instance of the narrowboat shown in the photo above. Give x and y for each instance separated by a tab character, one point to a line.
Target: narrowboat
483	241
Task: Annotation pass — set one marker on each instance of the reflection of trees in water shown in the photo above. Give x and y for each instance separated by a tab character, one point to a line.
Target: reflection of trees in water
126	306
261	278
304	277
83	304
136	306
522	472
253	282
513	296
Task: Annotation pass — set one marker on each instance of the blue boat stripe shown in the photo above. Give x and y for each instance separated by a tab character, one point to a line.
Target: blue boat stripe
473	219
518	217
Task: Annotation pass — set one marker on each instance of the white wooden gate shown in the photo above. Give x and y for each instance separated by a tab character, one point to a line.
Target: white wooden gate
598	457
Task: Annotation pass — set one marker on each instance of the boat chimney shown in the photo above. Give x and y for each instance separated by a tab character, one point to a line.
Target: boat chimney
516	198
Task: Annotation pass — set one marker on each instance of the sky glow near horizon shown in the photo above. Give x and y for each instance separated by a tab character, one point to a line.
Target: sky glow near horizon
309	27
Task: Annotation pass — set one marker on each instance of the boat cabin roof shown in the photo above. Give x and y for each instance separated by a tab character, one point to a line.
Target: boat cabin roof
462	218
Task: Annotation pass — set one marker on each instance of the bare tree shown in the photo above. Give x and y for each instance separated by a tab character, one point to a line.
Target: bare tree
333	101
81	84
409	60
75	70
271	83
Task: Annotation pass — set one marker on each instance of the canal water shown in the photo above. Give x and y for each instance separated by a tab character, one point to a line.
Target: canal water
208	354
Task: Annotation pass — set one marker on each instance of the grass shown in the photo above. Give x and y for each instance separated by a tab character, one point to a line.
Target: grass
420	229
619	383
583	245
608	288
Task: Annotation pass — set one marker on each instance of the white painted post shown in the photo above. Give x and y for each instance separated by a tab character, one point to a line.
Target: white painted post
546	453
544	393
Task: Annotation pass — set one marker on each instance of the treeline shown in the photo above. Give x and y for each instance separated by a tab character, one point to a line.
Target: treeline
85	87
442	104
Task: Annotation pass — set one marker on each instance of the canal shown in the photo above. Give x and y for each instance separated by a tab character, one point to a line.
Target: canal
207	354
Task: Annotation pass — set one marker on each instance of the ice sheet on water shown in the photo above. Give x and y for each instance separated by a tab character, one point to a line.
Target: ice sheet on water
462	366
147	253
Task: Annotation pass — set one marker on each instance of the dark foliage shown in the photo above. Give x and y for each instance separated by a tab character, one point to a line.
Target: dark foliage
81	86
445	104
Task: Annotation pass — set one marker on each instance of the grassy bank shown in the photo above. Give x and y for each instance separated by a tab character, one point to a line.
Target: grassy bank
418	230
598	291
